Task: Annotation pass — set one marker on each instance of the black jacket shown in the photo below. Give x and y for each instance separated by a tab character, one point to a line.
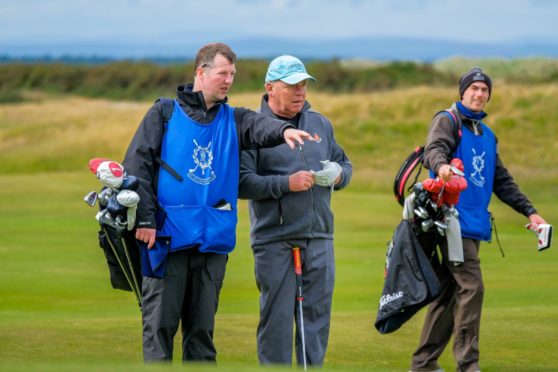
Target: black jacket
254	131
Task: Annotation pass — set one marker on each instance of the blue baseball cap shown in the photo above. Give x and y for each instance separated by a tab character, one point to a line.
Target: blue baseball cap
288	69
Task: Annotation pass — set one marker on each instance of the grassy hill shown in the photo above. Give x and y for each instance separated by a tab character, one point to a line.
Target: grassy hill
377	130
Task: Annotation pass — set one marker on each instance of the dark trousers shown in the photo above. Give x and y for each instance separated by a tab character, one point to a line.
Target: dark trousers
457	312
189	293
276	281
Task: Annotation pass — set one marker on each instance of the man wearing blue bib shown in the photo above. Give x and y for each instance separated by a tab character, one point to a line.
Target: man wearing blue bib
186	156
457	311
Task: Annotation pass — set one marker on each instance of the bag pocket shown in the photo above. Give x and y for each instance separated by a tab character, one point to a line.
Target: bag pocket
185	224
220	231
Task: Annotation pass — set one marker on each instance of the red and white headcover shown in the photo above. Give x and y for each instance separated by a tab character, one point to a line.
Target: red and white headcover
109	173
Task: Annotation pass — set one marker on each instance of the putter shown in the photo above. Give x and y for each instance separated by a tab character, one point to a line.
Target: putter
299	298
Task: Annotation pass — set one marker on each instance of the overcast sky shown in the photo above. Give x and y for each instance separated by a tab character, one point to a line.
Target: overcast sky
133	21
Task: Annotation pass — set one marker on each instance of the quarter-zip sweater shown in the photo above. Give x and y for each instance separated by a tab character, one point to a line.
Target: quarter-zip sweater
276	214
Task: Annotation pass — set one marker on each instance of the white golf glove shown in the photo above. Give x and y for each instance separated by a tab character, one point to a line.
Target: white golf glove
327	176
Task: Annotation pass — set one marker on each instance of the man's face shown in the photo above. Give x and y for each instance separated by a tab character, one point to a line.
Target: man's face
475	96
216	80
286	100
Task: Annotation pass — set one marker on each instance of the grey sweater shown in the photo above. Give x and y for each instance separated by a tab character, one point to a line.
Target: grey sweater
276	214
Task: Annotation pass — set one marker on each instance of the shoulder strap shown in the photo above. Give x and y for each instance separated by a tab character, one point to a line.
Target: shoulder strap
408	166
168	109
456	121
415	159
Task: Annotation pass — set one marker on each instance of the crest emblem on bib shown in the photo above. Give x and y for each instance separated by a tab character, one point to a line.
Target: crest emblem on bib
202	172
478	165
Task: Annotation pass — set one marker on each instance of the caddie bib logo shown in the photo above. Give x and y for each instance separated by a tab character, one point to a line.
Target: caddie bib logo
478	165
202	172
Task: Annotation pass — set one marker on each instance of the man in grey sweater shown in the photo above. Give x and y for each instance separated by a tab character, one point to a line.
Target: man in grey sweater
290	194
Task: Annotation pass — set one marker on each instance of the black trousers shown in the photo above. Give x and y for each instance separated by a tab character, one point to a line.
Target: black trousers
189	293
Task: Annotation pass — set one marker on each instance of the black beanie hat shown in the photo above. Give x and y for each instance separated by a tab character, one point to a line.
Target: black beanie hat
475	74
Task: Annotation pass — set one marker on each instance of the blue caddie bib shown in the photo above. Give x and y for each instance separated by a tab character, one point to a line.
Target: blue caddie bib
200	210
478	154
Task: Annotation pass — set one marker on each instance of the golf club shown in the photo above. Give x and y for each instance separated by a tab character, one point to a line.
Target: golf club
91	198
133	284
299	299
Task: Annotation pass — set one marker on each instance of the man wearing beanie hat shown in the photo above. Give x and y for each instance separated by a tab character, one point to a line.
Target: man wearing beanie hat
457	310
471	76
291	208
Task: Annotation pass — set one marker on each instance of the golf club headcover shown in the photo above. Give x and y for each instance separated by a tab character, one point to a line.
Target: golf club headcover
129	183
110	173
327	176
457	166
114	207
94	164
131	217
434	187
453	188
544	235
128	198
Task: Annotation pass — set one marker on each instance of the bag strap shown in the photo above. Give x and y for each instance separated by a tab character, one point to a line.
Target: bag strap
408	166
456	121
416	157
168	108
166	113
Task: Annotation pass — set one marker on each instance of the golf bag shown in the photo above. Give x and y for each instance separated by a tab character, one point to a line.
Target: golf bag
410	279
113	242
415	159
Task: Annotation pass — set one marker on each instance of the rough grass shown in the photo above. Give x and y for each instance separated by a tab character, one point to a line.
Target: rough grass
377	130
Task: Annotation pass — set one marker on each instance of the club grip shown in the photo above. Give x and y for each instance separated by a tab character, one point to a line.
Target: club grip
297	261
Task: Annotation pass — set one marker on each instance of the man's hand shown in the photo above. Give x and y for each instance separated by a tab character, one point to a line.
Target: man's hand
536	220
329	175
146	235
445	172
300	181
294	137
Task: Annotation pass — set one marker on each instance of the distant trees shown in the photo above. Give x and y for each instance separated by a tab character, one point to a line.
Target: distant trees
139	80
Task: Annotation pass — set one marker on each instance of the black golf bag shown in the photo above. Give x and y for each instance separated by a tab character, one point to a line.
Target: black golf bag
410	279
123	258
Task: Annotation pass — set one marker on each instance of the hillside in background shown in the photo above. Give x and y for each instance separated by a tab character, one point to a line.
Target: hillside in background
378	130
143	80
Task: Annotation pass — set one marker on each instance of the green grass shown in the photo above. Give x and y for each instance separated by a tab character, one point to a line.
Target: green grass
58	312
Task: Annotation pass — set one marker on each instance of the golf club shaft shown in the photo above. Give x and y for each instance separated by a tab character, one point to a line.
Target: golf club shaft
124	270
299	299
136	287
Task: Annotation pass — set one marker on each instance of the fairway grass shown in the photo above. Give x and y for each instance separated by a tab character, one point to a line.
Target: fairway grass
58	312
